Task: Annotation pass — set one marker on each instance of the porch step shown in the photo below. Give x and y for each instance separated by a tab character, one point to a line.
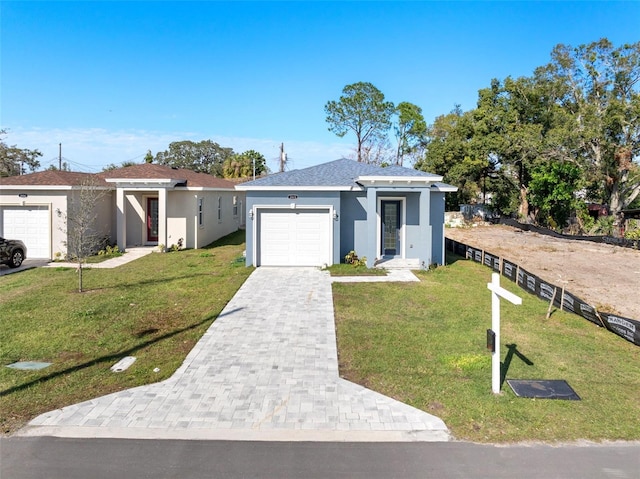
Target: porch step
398	263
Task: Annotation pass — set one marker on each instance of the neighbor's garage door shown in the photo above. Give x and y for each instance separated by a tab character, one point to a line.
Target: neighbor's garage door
29	224
300	237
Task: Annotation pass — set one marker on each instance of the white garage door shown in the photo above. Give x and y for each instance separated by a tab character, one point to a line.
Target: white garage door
300	237
29	224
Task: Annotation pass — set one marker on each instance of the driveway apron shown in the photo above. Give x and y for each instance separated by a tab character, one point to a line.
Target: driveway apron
266	369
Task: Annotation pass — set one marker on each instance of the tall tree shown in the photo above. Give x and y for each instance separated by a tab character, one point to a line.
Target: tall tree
602	94
448	152
410	130
245	165
204	157
124	164
64	166
362	110
509	132
552	190
16	161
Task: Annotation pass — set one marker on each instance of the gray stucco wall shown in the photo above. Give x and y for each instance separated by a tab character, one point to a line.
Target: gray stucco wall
437	225
417	238
281	198
353	223
354	230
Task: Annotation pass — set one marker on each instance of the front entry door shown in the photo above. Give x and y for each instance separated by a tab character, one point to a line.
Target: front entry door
390	228
152	219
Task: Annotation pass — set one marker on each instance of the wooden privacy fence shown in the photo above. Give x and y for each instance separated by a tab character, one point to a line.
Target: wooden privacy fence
627	328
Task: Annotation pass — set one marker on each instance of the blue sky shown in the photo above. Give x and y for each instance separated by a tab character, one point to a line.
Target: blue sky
111	80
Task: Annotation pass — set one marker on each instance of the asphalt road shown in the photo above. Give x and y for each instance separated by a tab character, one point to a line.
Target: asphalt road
53	458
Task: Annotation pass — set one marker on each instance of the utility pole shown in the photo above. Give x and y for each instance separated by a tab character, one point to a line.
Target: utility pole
59	156
283	158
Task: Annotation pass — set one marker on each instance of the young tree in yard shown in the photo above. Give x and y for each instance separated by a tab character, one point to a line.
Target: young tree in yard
410	130
79	224
362	110
14	160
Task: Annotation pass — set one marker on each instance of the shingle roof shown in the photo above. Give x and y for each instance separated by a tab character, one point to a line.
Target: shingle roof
338	173
151	171
144	171
51	178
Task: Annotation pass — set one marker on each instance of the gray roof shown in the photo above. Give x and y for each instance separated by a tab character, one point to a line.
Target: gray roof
338	173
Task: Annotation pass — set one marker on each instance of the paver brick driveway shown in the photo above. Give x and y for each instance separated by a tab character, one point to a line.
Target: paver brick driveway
266	369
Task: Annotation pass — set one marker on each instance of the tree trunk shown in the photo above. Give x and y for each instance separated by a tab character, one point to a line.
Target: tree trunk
79	276
523	208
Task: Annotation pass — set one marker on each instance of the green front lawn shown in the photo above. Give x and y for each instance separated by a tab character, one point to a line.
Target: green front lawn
155	308
425	344
422	343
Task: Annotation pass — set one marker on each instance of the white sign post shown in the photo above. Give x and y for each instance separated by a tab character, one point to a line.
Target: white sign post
498	292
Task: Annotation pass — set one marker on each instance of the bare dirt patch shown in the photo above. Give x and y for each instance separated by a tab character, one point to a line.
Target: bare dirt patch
606	276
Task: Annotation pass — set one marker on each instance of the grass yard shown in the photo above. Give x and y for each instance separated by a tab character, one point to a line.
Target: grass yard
155	308
425	344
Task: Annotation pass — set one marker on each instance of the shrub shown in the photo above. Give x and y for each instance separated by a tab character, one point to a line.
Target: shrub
352	258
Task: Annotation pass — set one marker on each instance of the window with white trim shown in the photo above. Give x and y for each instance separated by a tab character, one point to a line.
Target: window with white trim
219	208
235	206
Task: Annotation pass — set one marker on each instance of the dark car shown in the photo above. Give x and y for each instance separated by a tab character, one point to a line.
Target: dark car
12	252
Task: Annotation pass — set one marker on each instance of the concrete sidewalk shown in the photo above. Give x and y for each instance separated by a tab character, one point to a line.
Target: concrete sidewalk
130	254
266	369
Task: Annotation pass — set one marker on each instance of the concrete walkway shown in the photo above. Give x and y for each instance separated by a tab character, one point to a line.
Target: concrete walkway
266	369
131	254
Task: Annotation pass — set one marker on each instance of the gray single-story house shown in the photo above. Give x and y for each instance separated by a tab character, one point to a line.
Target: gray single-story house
317	215
141	205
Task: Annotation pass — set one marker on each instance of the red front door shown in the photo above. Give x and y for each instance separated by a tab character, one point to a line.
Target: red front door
152	219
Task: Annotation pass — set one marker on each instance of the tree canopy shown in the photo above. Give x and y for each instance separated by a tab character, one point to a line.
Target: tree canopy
242	165
204	157
410	130
573	126
16	161
362	110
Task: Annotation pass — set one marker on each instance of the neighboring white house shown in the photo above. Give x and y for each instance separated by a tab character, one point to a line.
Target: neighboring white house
145	205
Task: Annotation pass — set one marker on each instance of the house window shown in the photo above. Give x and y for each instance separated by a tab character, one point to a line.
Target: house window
235	206
219	208
200	212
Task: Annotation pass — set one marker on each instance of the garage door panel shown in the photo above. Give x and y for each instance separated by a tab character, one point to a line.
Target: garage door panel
294	238
29	224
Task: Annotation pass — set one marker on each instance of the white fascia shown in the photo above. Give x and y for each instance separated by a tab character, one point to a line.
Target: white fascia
50	187
298	188
398	180
141	182
205	188
444	188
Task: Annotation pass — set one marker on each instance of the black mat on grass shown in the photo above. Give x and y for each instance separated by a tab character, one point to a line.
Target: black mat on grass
543	389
